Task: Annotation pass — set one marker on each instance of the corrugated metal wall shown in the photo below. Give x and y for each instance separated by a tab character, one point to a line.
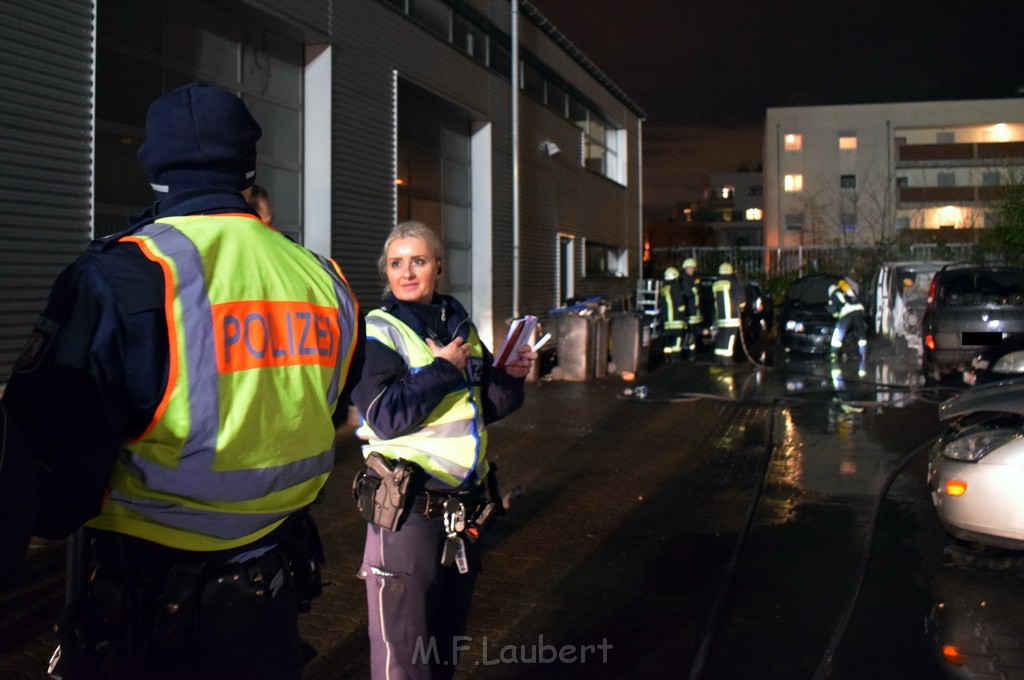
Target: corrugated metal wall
45	147
362	184
45	133
557	194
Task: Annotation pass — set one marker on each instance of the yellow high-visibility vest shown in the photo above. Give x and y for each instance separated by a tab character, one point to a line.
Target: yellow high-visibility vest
451	442
260	334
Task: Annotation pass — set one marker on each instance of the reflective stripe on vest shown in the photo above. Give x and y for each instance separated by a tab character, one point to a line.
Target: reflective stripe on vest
261	323
451	442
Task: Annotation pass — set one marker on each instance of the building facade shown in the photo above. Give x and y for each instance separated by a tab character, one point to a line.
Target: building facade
374	111
867	173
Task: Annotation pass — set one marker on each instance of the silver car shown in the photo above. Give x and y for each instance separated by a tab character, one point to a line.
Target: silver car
976	469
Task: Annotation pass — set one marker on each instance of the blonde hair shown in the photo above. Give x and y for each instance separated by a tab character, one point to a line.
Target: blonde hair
411	229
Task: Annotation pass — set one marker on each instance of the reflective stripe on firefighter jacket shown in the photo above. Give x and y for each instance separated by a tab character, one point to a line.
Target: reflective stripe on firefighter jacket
451	442
260	332
727	307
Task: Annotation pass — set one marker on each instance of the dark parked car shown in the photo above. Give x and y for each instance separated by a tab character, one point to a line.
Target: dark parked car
755	319
805	324
969	307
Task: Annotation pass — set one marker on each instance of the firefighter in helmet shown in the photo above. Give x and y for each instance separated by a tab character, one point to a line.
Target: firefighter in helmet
690	285
849	314
729	302
673	315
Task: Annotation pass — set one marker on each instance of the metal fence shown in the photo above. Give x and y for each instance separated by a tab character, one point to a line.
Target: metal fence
761	262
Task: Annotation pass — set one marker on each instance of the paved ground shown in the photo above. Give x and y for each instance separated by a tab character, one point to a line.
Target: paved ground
630	554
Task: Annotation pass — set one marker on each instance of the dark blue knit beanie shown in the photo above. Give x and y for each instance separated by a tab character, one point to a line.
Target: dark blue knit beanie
199	136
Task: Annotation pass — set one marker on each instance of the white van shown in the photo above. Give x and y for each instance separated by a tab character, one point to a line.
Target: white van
899	292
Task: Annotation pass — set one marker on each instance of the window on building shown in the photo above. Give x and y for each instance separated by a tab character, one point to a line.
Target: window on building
990	179
903	222
566	269
469	39
434	15
500	60
754	190
945	137
902	182
848	222
945	179
603	145
989	219
605	261
792	183
532	82
847	142
754	214
793	142
557	99
794	222
847	181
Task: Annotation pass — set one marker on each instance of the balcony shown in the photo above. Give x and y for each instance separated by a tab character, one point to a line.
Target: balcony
979	153
948	195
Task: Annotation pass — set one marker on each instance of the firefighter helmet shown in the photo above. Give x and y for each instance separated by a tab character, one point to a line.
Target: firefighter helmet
689	262
670	274
725	269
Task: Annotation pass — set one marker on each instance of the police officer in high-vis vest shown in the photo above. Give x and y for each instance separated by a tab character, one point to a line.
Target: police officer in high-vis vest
428	390
180	395
729	302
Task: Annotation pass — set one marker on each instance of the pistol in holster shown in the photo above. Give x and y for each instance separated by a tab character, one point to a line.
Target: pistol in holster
383	498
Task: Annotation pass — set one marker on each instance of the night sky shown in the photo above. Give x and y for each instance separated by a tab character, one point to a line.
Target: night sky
704	71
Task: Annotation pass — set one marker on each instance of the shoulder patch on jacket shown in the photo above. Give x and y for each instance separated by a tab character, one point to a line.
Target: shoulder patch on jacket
38	343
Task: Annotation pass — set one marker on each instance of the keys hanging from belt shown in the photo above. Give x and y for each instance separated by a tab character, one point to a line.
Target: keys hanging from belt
454	523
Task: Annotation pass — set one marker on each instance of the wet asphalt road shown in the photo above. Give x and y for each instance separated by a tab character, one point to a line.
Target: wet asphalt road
715	528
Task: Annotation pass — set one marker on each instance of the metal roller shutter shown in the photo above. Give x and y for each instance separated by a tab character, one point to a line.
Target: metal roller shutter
45	155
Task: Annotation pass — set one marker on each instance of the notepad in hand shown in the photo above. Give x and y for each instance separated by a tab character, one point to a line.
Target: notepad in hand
518	335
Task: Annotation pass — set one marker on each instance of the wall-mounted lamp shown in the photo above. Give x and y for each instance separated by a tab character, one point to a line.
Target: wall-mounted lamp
550	148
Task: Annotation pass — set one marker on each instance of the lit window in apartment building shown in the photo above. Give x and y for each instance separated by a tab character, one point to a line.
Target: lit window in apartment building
794	142
754	214
793	183
847	181
847	142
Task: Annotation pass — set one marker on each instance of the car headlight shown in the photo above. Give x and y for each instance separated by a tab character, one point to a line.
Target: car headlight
1012	362
972	443
795	326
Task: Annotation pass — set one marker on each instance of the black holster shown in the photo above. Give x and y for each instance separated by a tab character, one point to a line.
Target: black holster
384	498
